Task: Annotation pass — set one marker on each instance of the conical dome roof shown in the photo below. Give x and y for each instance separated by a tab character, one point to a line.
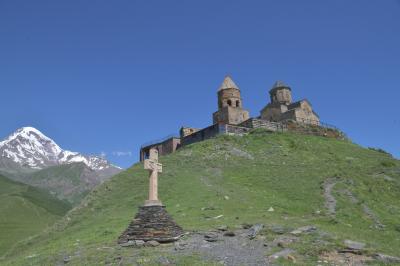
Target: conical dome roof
279	85
228	84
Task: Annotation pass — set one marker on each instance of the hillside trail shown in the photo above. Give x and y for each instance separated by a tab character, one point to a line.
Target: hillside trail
330	201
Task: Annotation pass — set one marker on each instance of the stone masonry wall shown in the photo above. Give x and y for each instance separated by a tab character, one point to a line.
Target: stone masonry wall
203	134
230	115
166	147
261	123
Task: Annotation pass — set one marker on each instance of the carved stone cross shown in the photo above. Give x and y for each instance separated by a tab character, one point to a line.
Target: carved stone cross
154	168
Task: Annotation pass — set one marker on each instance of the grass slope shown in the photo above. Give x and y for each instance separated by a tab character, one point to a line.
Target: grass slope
71	182
239	178
65	181
25	211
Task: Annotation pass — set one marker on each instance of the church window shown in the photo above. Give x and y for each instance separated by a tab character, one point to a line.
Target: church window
229	102
237	103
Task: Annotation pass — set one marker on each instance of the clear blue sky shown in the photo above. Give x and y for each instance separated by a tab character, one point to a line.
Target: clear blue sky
107	76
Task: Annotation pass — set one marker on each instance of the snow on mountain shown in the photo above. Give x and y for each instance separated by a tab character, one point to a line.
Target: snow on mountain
30	148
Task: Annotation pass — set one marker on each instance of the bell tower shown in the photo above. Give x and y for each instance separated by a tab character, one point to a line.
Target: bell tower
230	106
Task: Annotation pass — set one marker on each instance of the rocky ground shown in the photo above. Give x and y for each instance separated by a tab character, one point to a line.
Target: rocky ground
260	245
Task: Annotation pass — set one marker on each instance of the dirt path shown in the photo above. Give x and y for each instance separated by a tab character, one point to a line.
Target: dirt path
366	210
330	201
372	216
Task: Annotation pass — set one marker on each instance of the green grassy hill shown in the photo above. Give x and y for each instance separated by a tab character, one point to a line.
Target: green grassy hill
25	211
239	178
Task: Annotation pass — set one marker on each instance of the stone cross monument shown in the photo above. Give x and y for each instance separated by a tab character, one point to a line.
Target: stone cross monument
154	168
152	222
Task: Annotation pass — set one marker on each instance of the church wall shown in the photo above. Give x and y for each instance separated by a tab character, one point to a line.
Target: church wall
230	115
166	147
186	131
301	115
306	116
203	134
262	123
271	112
237	115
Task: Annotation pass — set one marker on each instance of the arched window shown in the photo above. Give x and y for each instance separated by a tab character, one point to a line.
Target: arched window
229	102
237	103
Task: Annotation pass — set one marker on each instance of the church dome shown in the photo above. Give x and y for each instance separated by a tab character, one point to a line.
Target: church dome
280	85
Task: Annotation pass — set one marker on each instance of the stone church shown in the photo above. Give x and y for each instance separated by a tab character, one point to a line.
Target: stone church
281	107
232	118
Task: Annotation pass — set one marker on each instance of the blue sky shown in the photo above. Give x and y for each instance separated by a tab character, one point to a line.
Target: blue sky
107	76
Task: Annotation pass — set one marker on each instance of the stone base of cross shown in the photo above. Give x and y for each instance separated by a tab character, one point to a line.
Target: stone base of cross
154	168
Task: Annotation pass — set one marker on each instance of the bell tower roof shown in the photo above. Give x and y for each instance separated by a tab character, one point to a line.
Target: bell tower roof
228	84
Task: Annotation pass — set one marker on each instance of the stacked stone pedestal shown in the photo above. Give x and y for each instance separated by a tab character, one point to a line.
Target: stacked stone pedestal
152	223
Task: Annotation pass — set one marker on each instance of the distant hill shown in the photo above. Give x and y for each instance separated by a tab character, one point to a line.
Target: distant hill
28	156
25	211
69	182
287	180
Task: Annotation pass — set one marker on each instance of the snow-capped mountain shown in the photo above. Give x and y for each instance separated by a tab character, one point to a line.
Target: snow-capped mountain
30	148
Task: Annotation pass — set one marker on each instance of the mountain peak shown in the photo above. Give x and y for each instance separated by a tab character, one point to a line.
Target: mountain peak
30	148
26	132
29	129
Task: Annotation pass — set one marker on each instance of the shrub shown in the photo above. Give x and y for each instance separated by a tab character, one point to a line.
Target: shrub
380	150
388	164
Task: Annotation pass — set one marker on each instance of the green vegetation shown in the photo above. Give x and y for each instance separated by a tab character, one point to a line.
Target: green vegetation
71	182
239	178
380	150
25	211
66	181
71	172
